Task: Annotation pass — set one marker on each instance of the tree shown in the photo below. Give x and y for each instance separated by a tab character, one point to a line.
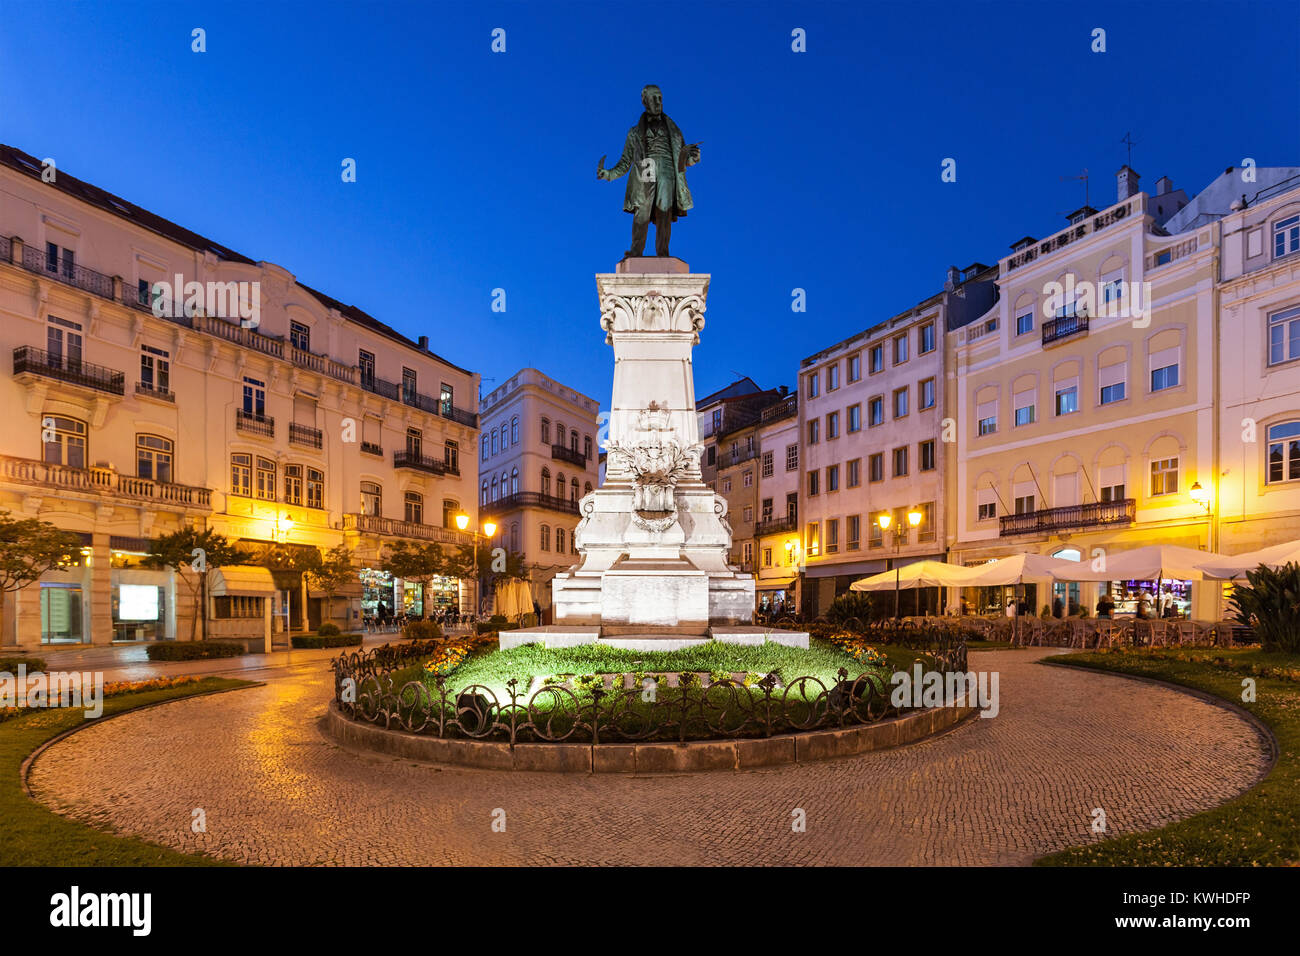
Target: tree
332	572
415	562
28	548
201	552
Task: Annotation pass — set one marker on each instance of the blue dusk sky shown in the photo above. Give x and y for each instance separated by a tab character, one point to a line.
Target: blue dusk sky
476	170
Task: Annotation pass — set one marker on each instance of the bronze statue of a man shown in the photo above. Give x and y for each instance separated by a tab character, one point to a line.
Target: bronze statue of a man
656	187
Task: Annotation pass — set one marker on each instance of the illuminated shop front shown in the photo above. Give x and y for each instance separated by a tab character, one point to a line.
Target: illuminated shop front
142	602
380	590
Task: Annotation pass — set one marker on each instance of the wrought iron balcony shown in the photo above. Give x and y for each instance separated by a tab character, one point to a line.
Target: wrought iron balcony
1062	328
565	453
35	260
1095	514
254	423
101	481
776	526
434	466
150	391
305	435
739	456
374	524
535	499
782	409
34	361
372	448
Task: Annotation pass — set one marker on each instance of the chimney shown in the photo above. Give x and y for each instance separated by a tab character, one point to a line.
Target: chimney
1127	182
1164	185
785	390
423	342
954	278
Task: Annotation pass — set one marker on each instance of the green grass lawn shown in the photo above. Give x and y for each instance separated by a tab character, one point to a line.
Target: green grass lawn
1261	827
35	836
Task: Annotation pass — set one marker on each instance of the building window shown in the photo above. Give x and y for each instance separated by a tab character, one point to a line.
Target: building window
315	488
814	484
366	366
853	476
875	411
560	435
926	390
900	462
545	542
767	557
496	489
726	486
228	607
153	457
514	481
925	455
241	475
988	510
1284	336
875	536
853	532
814	386
832	535
876	467
833	425
450	508
927	339
483	445
900	349
1286	237
483	493
814	431
586	447
372	498
546	481
514	430
64	441
300	336
446	399
813	542
900	402
855	367
746	479
573	490
254	397
293	484
768	467
986	415
415	443
832	478
876	359
264	479
1166	376
855	418
767	510
451	455
711	455
1283	452
413	507
1112	492
1112	380
791	457
546	431
155	369
1025	323
925	530
1024	504
559	540
832	377
1164	476
505	436
408	386
1067	400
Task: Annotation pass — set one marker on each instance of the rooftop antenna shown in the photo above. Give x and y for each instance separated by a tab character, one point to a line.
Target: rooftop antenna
1128	141
1084	177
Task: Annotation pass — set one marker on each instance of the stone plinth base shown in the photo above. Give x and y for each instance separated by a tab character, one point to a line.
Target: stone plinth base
556	635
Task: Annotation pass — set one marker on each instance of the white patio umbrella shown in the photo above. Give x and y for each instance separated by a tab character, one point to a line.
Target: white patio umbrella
513	598
1236	566
1015	568
919	574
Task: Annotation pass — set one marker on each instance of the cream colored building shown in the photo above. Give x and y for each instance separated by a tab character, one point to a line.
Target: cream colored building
537	459
778	542
1085	399
319	425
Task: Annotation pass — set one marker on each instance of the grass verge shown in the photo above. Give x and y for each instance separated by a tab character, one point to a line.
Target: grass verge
1259	828
36	836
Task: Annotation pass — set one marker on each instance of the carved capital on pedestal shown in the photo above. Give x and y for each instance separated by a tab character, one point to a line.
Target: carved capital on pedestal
652	312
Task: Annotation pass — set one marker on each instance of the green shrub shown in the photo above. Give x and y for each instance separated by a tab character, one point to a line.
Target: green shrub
854	607
423	631
329	629
1271	605
314	641
193	650
497	619
9	665
489	626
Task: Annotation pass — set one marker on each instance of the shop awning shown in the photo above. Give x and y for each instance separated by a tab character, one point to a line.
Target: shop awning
242	581
1236	566
919	574
1150	563
1018	567
774	585
846	568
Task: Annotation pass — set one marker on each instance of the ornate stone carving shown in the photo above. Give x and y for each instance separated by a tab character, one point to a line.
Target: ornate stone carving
656	463
652	312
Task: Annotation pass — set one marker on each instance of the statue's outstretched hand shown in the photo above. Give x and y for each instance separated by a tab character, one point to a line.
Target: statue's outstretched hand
600	168
695	154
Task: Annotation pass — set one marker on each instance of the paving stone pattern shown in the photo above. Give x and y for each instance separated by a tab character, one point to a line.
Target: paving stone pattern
994	791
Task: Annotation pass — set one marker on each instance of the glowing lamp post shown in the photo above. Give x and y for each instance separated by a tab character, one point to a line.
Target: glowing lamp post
489	529
885	520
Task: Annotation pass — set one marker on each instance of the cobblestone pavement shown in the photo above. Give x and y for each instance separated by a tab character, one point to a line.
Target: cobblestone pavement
994	791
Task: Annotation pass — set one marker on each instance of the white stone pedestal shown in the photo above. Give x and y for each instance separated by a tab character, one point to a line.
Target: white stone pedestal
653	539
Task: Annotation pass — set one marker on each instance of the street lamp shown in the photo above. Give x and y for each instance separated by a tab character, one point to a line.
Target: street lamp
283	525
489	529
884	519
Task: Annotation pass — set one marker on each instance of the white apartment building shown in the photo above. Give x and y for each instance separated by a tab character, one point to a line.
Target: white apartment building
537	460
316	426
